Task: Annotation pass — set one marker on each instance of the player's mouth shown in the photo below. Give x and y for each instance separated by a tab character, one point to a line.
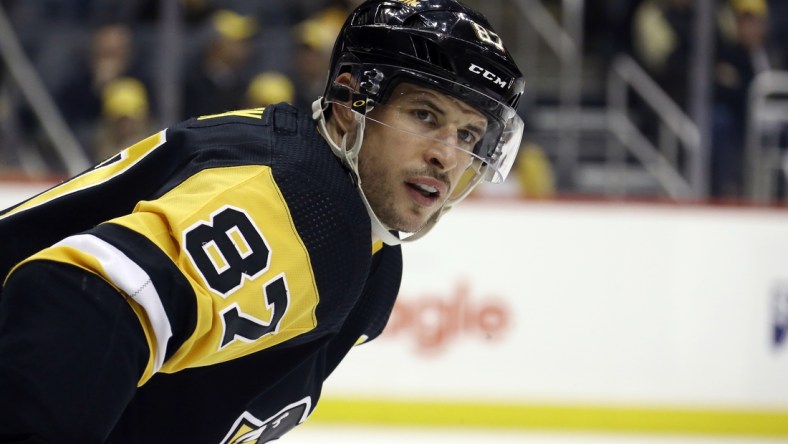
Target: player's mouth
426	191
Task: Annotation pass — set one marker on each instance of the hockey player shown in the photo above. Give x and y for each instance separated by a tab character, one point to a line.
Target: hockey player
202	284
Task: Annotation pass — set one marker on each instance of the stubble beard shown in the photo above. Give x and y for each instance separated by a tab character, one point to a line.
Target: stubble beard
376	184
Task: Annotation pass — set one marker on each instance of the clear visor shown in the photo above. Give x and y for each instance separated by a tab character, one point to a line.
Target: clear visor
483	134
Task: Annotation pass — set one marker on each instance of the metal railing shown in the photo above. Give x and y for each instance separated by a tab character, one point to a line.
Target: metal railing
32	88
766	146
674	157
565	41
671	161
60	136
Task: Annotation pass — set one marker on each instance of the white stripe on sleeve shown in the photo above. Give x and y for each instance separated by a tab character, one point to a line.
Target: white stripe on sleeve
133	280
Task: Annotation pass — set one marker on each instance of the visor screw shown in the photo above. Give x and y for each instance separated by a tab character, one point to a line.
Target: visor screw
371	81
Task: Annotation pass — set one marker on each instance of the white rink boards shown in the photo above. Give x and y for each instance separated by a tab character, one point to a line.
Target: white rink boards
605	317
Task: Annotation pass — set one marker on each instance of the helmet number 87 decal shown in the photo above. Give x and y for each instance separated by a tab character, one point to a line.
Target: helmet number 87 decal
488	36
228	251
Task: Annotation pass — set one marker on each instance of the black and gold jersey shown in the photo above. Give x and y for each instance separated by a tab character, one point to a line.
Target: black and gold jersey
243	249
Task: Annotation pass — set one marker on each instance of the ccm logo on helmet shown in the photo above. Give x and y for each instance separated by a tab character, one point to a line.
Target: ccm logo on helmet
488	75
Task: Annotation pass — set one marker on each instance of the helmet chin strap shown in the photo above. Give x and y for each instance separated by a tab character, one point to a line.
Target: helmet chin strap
349	157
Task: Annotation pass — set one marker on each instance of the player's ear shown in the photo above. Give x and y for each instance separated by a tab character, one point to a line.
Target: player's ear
342	113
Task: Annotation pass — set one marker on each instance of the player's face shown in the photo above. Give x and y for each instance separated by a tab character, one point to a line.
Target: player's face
416	148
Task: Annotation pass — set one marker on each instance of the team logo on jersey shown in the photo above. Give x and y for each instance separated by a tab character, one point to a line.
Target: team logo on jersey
249	429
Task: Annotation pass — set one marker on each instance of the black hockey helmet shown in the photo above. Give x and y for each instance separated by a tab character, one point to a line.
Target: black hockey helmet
439	37
440	44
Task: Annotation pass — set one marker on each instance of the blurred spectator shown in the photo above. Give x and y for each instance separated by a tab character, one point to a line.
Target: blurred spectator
742	53
778	29
268	88
111	55
127	11
531	176
301	10
608	28
314	39
662	32
534	173
337	11
125	117
222	72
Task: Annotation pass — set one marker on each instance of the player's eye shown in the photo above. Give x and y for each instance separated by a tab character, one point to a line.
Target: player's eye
467	137
424	116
